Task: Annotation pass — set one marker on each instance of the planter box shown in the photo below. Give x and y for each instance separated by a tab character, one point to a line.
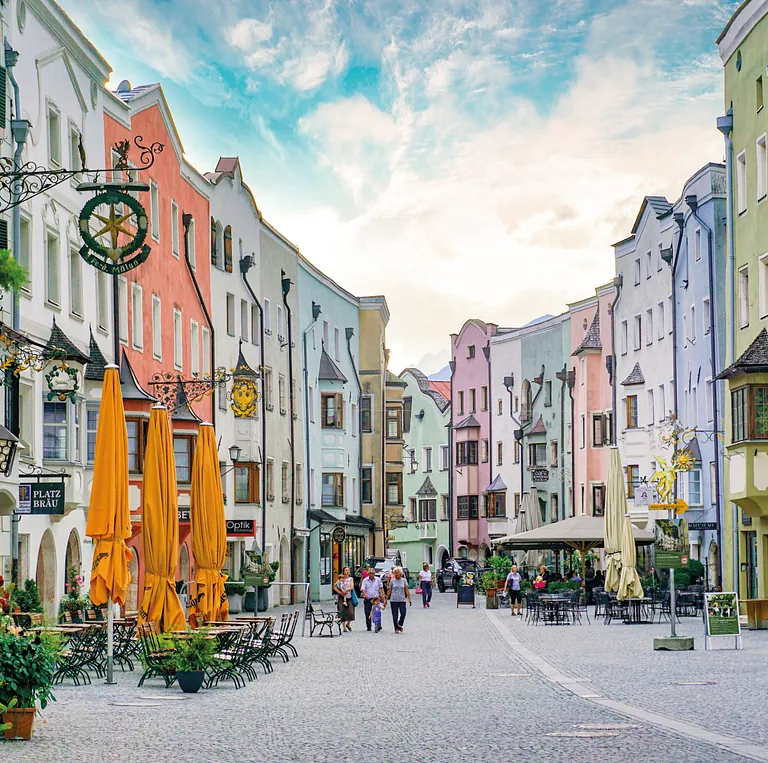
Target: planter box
235	603
22	720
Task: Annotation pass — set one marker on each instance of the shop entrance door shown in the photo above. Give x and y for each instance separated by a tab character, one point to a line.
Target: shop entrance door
751	542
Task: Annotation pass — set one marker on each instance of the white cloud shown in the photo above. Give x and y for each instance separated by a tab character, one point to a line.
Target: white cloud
248	34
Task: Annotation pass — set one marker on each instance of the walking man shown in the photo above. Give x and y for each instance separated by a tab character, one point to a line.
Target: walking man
371	589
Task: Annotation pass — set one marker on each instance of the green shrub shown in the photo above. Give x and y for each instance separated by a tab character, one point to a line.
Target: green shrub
682	579
695	570
234	589
193	653
13	276
27	599
501	566
26	670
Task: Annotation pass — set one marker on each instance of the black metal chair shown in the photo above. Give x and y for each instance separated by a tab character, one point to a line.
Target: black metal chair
231	657
154	656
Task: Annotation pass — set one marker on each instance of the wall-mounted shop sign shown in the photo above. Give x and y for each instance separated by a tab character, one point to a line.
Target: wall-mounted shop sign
241	528
702	525
339	534
183	513
41	498
540	475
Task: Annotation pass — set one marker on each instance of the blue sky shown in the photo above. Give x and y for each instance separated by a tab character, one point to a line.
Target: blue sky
466	159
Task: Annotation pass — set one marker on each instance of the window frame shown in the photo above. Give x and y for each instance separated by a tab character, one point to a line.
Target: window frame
331	417
52	109
253	471
189	440
394	415
631	410
154	210
142	426
157	327
137	316
394	479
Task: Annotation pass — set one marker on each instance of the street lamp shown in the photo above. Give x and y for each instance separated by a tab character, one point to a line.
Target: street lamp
234	453
9	444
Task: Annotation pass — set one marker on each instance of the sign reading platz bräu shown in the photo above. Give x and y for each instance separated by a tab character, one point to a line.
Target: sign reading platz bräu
41	498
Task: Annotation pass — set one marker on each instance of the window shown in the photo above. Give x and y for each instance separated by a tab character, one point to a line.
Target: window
472	400
244	315
231	314
467	507
206	351
547	393
662	403
52	287
671	312
281	401
649	326
638	332
499	453
74	148
554	453
554	502
332	410
157	329
394	488
445	455
353	419
427	510
637	272
461	402
122	294
705	317
137	316
174	228
426	459
537	454
137	431
692	324
470	350
337	344
496	505
743	297
741	183
466	453
154	210
366	484
255	325
651	408
749	413
598	500
709	399
246	483
183	450
91	426
413	511
326	343
267	318
761	162
228	249
624	332
285	482
25	251
598	430
55	431
268	401
394	424
631	409
366	414
660	321
194	346
583	430
483	398
75	283
633	479
526	406
694	486
516	501
280	323
582	372
178	357
517	451
499	407
215	252
191	248
54	136
759	93
311	402
270	478
648	263
484	451
697	244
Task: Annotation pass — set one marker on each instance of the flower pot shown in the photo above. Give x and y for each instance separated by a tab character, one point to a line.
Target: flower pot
263	598
235	603
191	682
21	719
490	592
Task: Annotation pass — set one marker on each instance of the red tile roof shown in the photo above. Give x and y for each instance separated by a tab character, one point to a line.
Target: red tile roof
443	387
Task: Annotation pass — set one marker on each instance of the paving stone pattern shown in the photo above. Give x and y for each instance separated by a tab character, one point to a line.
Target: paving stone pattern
448	689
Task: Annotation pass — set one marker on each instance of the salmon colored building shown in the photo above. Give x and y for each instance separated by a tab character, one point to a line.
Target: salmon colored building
163	310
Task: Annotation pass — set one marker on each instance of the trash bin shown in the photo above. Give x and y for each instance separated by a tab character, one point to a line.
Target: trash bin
250	601
263	598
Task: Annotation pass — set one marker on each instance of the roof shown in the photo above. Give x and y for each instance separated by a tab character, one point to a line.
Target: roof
659	206
591	340
58	342
635	377
496	486
753	360
469	423
182	411
242	369
322	516
126	93
394	381
226	167
130	386
538	427
442	387
425	387
94	371
329	371
427	488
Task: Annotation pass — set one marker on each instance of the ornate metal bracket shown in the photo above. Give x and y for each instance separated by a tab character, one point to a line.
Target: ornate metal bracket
35	472
17	185
166	387
19	353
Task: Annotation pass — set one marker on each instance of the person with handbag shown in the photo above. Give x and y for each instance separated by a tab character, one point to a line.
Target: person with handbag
397	594
344	590
425	585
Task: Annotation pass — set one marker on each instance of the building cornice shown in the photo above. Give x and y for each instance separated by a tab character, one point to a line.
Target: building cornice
743	21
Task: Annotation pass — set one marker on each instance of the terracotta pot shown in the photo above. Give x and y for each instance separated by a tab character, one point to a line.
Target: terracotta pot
490	591
21	719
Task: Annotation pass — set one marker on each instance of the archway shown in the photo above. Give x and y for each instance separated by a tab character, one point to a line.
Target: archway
461	552
442	557
285	570
473	555
484	553
298	564
132	594
45	574
73	560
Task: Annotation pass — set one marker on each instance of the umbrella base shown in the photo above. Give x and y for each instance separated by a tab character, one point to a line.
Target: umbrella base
673	644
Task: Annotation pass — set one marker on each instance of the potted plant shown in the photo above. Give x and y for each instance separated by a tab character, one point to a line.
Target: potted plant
191	657
488	581
501	566
26	677
235	592
259	572
26	599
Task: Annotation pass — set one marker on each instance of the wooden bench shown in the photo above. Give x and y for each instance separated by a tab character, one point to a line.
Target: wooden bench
757	614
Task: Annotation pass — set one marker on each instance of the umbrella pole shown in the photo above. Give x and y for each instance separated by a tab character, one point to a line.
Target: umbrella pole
110	641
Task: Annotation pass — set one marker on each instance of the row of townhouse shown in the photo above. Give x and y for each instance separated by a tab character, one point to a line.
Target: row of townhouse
318	447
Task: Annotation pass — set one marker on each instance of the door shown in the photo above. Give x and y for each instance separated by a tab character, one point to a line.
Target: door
751	539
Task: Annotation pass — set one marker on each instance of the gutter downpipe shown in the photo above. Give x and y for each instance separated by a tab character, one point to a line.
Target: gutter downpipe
246	263
618	282
315	314
451	538
349	332
509	383
725	125
489	412
571	380
285	282
679	218
713	365
186	219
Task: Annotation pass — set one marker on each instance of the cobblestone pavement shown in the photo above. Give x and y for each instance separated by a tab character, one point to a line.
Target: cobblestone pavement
449	689
601	655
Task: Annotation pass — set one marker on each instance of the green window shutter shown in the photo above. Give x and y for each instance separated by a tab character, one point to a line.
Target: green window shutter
3	234
3	98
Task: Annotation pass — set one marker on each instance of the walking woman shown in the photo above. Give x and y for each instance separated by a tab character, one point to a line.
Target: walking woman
343	590
397	593
425	582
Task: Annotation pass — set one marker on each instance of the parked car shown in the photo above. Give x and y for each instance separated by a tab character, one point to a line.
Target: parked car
384	568
450	575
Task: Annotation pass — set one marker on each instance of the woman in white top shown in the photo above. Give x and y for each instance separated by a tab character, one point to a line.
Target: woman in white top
425	583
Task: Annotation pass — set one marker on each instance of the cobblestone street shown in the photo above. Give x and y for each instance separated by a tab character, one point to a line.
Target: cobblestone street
453	687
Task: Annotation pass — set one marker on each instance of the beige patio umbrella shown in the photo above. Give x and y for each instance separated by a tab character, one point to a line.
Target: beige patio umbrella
532	522
630	586
615	509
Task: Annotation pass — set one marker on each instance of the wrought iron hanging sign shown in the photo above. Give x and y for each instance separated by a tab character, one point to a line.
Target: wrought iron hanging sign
63	382
244	397
113	257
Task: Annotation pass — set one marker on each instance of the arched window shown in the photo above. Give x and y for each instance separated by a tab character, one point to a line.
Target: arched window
526	404
228	248
214	249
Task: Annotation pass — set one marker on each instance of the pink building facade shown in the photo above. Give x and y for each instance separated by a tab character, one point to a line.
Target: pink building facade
471	437
592	399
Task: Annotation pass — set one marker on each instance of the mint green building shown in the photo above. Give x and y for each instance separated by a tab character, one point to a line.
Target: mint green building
426	455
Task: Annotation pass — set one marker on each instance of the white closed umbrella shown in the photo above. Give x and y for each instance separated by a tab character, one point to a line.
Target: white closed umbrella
630	586
615	509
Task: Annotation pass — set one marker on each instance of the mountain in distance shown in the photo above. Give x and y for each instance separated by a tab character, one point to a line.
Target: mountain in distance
444	374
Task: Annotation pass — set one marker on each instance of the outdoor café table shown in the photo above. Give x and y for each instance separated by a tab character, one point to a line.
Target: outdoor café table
637	611
554	609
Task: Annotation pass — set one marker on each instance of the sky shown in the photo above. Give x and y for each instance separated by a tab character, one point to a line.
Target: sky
465	158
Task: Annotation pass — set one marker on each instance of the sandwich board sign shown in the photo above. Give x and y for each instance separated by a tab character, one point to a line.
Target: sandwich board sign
721	617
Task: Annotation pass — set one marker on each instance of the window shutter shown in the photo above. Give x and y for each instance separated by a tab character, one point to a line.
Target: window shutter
407	407
3	234
3	98
213	242
228	248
